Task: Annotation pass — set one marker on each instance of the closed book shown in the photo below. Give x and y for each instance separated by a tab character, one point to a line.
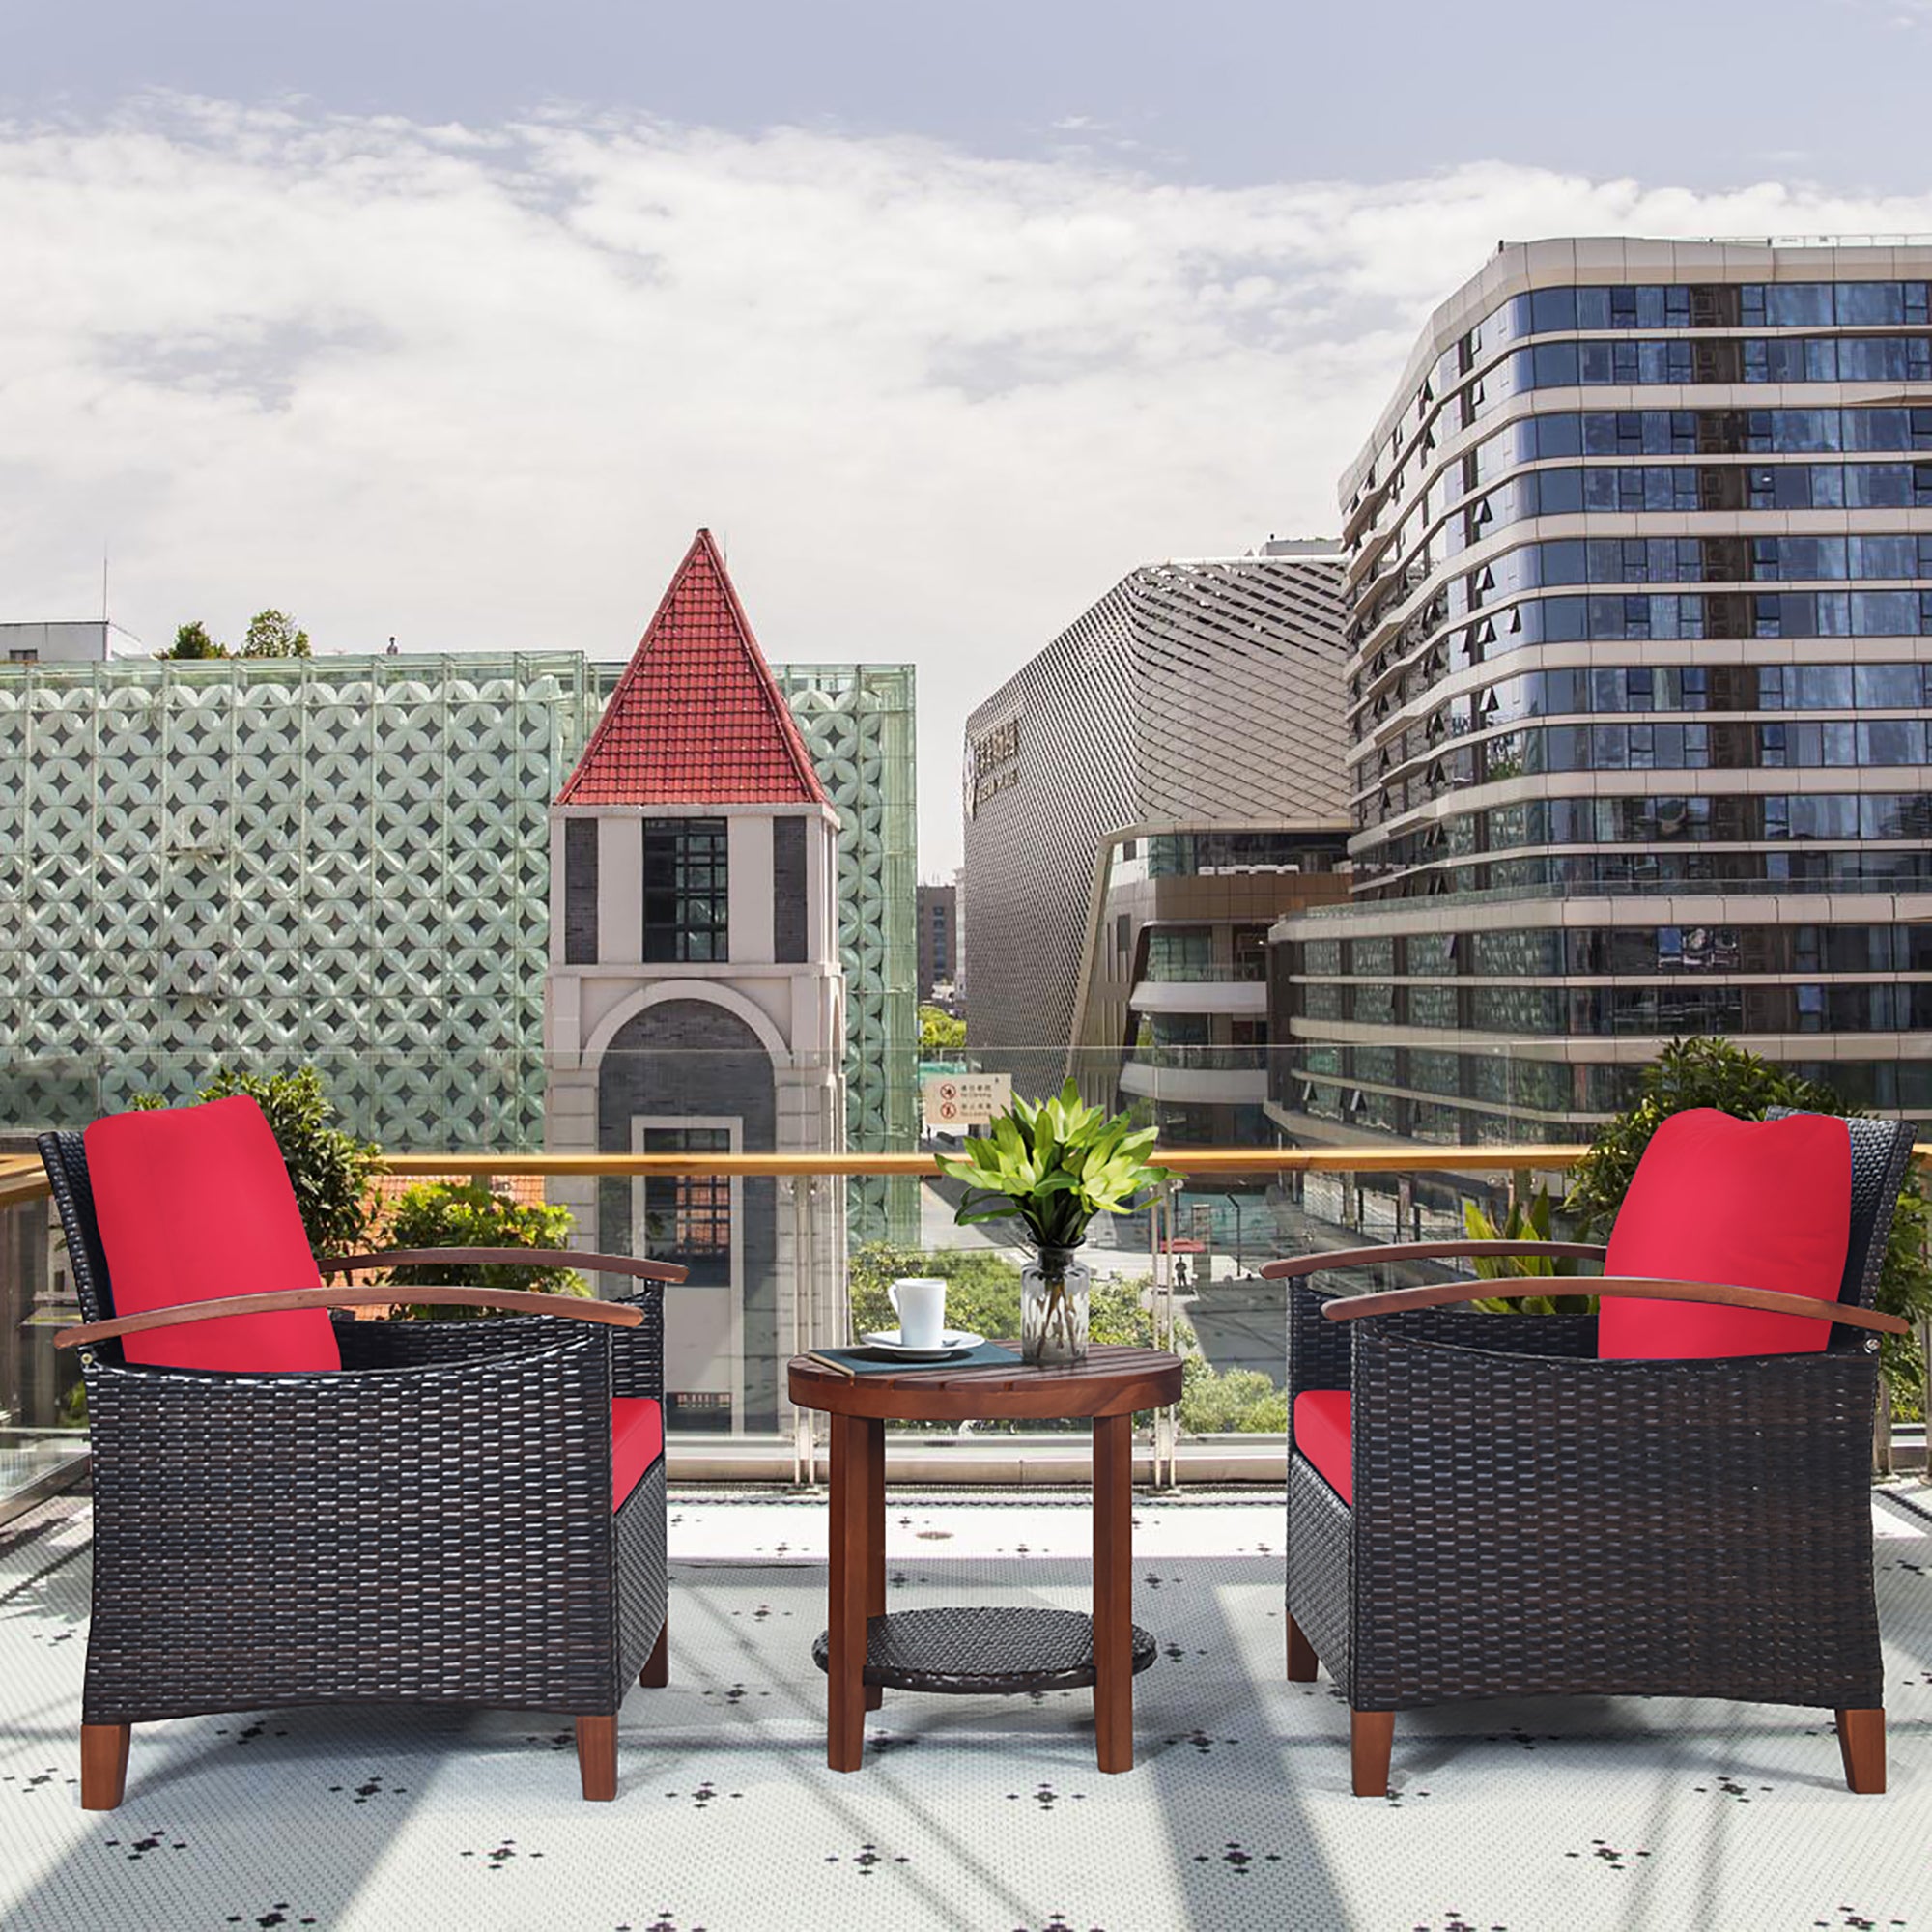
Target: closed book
881	1362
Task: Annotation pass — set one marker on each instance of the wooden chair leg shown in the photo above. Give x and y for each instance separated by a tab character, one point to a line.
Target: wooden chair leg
1862	1745
1302	1663
656	1673
597	1756
104	1765
1371	1738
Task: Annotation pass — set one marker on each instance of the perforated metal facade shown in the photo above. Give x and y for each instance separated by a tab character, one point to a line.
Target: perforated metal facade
1194	695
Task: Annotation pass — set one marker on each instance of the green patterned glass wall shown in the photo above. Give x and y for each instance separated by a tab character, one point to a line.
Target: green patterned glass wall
342	861
345	860
857	724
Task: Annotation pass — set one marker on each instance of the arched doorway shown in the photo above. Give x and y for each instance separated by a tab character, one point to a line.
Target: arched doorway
686	1076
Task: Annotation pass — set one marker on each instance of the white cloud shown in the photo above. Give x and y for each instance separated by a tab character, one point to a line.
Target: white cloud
476	386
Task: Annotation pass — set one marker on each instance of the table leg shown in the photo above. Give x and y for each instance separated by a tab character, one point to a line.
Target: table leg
1113	1592
875	1535
853	1440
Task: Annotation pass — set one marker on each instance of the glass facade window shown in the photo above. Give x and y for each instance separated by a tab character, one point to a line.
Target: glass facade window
686	889
1181	952
1792	611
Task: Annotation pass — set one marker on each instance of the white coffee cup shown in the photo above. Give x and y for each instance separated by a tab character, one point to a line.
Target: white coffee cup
920	1302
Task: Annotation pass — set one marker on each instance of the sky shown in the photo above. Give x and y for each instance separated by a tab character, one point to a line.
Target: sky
451	322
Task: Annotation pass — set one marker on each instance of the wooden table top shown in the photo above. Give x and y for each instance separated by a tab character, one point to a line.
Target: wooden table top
1110	1381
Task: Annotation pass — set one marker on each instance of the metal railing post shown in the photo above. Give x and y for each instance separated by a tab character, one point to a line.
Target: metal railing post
1166	1421
803	1324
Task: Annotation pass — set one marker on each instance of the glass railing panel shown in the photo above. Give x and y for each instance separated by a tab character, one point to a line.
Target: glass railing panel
43	1432
728	1161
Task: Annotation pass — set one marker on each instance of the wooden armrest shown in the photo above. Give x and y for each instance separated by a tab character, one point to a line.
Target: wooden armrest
1427	1251
512	1300
630	1264
1442	1293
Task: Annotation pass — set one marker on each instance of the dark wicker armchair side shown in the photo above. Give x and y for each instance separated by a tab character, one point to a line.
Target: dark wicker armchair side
434	1524
1529	1520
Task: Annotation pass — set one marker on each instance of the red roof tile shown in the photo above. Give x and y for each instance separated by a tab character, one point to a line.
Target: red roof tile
697	719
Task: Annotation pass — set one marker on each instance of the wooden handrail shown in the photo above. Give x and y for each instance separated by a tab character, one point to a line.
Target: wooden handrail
31	1183
1423	1251
632	1265
1445	1294
509	1300
1542	1158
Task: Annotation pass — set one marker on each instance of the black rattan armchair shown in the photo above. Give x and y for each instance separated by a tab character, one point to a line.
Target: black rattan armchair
1528	1520
433	1524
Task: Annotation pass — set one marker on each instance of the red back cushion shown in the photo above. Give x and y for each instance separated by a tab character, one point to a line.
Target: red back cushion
1759	1204
193	1204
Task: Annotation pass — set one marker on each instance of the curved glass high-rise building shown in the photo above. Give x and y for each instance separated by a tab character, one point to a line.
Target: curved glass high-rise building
1639	575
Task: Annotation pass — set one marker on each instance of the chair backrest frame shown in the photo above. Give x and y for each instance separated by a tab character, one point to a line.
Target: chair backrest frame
1881	1157
63	1156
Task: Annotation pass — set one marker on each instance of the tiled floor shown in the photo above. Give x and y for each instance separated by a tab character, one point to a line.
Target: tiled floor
979	1814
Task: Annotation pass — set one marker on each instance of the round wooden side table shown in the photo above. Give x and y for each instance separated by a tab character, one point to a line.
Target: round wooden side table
864	1652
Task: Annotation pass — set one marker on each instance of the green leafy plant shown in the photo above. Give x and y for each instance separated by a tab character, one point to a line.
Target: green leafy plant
1716	1072
330	1168
1522	1224
465	1214
1053	1166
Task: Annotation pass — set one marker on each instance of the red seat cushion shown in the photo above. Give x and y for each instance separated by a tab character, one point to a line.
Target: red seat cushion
193	1204
1759	1204
1322	1435
637	1441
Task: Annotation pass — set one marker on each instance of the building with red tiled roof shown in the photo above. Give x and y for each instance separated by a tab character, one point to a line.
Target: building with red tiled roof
696	1000
697	719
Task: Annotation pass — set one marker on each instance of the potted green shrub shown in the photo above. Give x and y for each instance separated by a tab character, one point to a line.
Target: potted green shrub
1052	1167
467	1214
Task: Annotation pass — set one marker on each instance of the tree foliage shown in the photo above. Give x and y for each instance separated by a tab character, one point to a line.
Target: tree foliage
329	1168
1235	1401
191	640
940	1034
465	1214
275	634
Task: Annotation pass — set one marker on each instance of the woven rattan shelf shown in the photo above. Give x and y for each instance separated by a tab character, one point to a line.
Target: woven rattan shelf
982	1651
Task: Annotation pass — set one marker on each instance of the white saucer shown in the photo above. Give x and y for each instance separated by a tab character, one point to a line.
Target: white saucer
952	1342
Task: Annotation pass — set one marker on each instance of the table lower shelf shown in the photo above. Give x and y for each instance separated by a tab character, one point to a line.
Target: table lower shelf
981	1650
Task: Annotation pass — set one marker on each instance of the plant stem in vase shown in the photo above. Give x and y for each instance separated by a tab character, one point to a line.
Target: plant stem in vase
1054	1291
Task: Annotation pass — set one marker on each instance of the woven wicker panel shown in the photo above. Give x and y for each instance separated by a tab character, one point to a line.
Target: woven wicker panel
978	1650
637	1354
440	1535
1317	1348
1560	1337
1881	1156
1526	1526
1320	1565
642	1573
64	1158
411	1344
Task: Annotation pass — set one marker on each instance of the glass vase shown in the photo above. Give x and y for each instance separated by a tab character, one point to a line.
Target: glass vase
1053	1308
